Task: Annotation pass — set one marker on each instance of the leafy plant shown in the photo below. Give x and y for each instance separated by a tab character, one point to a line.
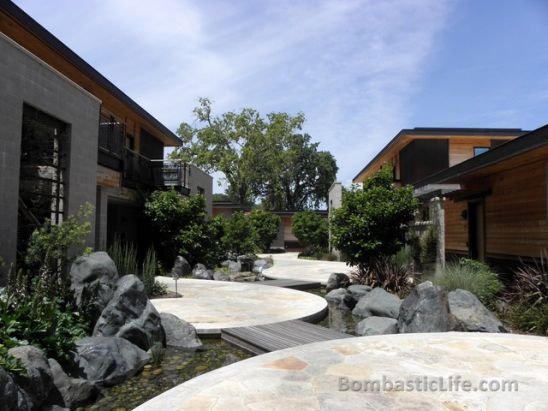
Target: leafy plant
473	276
148	272
529	318
265	225
239	234
311	229
201	242
387	273
373	220
428	245
11	364
157	352
159	288
52	247
124	255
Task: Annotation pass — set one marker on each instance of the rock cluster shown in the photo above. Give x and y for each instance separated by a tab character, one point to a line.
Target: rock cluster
428	308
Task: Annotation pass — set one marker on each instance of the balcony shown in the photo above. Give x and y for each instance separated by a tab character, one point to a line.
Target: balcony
142	172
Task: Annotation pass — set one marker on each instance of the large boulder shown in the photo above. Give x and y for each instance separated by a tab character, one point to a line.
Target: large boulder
181	267
339	297
108	361
246	261
38	380
93	279
200	272
377	326
67	391
358	290
11	396
179	333
261	264
426	309
471	314
379	303
131	315
221	276
337	280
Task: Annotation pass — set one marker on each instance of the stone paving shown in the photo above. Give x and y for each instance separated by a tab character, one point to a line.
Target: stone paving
331	376
288	265
214	305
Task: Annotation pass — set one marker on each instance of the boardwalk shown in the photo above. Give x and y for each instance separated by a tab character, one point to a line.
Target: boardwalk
261	339
293	284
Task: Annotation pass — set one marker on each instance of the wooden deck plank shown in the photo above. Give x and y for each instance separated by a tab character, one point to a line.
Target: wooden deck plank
272	337
293	284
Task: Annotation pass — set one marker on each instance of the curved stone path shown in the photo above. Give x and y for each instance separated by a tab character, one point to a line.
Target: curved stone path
288	265
211	306
331	376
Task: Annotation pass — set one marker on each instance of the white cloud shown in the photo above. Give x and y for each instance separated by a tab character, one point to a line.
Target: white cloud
351	66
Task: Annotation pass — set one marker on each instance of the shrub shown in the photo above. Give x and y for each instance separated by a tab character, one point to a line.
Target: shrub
373	220
51	249
201	242
239	234
428	246
388	273
148	272
266	227
311	229
473	276
529	318
124	255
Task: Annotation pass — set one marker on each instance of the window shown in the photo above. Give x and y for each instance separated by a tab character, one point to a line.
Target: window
200	190
480	150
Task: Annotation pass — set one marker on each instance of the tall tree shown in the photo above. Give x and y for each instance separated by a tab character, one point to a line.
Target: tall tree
261	158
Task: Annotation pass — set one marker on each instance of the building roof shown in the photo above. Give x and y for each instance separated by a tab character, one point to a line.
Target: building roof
446	132
54	43
528	142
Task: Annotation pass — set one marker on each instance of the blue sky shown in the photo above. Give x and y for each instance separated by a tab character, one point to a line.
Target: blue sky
360	70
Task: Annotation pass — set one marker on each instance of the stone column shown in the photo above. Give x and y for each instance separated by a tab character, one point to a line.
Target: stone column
437	216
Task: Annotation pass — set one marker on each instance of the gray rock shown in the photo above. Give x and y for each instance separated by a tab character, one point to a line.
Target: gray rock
108	360
357	291
54	408
262	264
67	391
93	278
179	333
131	315
337	280
471	314
378	302
230	359
11	396
200	272
426	309
38	381
338	297
377	326
244	276
181	267
234	266
221	276
246	261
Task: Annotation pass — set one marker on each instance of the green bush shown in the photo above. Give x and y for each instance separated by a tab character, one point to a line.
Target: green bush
239	234
311	229
473	276
124	255
529	318
373	220
389	273
201	242
266	226
148	272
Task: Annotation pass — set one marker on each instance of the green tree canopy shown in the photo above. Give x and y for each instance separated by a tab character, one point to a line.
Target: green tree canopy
373	220
261	158
311	229
266	227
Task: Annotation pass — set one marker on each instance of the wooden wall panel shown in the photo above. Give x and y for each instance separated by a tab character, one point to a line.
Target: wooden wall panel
516	212
456	227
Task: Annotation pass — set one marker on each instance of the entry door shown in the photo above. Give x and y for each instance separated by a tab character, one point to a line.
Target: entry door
476	230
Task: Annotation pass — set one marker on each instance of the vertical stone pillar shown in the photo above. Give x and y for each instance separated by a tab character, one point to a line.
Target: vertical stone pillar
334	202
437	216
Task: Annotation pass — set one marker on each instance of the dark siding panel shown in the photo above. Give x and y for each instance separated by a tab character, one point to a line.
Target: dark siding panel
150	146
422	158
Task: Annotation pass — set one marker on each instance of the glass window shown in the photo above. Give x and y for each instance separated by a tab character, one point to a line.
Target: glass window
480	150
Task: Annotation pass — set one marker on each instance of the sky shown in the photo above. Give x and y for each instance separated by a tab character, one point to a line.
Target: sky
360	70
